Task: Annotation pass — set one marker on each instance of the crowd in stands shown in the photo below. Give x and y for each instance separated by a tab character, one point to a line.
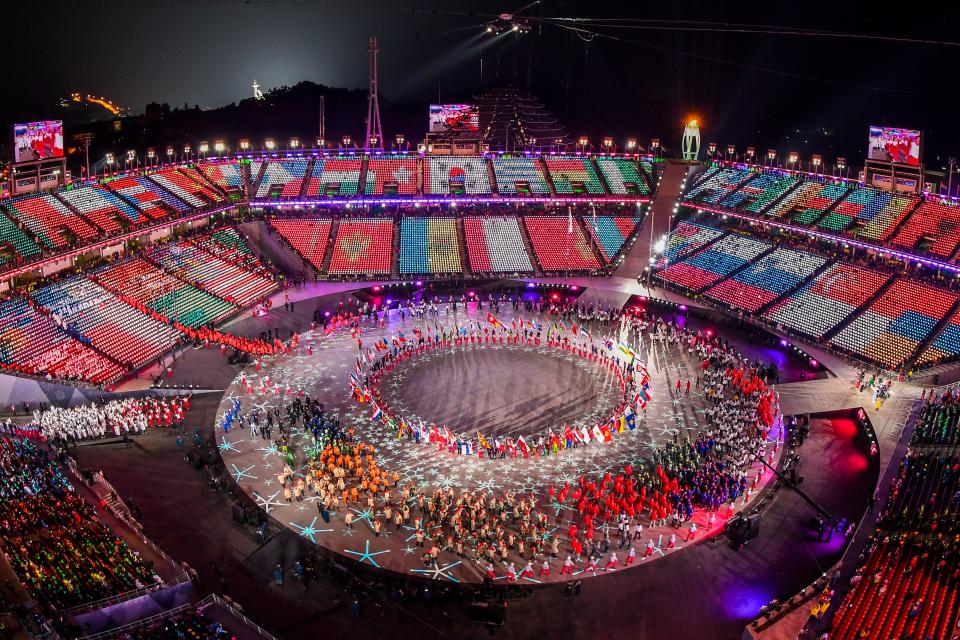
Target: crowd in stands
55	543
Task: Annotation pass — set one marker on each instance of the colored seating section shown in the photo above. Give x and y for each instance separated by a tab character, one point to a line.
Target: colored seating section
935	224
147	196
495	245
717	261
50	221
873	212
557	246
363	246
807	203
308	237
564	171
937	425
946	346
136	279
335	176
226	175
102	207
187	185
610	233
402	171
30	343
618	172
101	319
227	244
15	245
53	538
766	280
907	585
230	282
827	300
509	171
288	175
686	238
892	327
469	173
429	245
716	185
761	190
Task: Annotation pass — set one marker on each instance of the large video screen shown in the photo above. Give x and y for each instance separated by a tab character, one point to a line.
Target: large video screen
462	117
892	144
38	140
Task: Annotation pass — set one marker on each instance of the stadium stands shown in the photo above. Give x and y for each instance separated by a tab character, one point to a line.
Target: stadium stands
686	238
139	280
49	220
807	203
894	325
14	243
227	244
429	245
147	196
759	191
717	261
226	175
945	347
509	172
937	425
223	279
495	245
30	343
363	246
827	300
767	279
288	175
387	170
468	174
335	176
716	186
557	247
187	185
867	213
114	328
102	207
308	237
610	233
566	171
934	227
618	172
54	540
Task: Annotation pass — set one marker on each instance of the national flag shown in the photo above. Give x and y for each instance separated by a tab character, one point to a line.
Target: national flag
360	395
523	445
621	424
631	420
573	329
492	319
627	350
377	413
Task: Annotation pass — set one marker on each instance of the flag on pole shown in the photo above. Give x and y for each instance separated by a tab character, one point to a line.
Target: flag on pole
377	413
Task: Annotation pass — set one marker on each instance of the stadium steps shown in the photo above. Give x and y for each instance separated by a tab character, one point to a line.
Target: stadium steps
207	182
255	179
830	335
328	254
549	179
933	335
492	177
704	175
305	185
528	246
651	180
581	222
362	185
600	176
420	188
395	248
800	285
462	246
893	231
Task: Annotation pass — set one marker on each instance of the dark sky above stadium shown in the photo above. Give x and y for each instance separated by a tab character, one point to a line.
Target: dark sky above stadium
786	91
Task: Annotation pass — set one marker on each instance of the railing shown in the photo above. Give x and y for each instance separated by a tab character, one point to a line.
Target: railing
210	600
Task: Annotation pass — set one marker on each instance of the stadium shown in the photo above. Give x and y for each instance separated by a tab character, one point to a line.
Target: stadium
267	372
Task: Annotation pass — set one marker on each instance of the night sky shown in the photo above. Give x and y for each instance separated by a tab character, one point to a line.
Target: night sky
810	94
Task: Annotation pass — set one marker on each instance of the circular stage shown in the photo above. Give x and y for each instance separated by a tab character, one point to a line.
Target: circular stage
497	389
501	390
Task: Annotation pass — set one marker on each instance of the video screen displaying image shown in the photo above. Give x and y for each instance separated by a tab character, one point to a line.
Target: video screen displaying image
38	140
463	117
892	144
